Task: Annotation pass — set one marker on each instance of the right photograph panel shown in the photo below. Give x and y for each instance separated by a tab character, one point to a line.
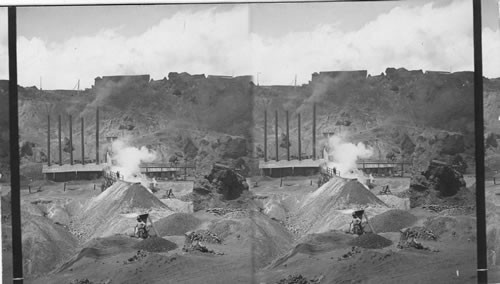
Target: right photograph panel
491	86
364	136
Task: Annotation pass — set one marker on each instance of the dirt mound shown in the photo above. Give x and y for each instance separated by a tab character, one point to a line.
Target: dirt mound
392	221
155	244
262	237
371	241
176	224
105	214
319	212
316	244
341	193
45	244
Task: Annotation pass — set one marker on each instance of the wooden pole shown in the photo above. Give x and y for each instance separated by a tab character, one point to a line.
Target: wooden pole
83	141
265	135
97	136
48	140
276	133
314	132
60	142
71	139
287	138
299	142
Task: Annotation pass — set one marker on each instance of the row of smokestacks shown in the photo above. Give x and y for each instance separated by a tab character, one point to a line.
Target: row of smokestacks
82	128
299	144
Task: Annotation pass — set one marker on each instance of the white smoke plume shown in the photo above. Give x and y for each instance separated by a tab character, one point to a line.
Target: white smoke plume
127	160
343	155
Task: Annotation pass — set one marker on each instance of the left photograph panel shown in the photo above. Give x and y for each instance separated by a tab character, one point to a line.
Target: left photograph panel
5	252
132	121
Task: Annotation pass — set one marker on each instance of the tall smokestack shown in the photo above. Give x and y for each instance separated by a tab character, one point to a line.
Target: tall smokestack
299	144
97	136
265	135
48	140
276	133
83	141
60	143
287	138
71	139
314	131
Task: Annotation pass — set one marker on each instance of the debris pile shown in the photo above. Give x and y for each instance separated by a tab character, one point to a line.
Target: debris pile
450	209
370	241
155	244
140	254
392	221
197	246
408	238
193	241
418	233
176	224
298	279
202	236
349	254
223	211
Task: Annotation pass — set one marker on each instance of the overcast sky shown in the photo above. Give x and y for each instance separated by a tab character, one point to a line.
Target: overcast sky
275	41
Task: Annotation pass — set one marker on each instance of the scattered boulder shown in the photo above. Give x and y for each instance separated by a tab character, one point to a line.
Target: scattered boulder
439	181
227	182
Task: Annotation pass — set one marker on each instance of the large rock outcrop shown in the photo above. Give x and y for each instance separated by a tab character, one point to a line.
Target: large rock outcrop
434	186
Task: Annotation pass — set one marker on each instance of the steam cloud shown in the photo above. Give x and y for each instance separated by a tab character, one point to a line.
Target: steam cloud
128	160
343	156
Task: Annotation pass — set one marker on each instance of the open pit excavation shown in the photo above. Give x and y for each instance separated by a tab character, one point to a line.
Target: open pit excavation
331	191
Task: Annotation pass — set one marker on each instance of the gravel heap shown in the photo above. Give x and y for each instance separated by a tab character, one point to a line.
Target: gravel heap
371	241
297	279
176	224
140	254
155	244
203	236
392	221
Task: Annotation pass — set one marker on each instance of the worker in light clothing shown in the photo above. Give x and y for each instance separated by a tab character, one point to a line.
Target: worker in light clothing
140	230
356	227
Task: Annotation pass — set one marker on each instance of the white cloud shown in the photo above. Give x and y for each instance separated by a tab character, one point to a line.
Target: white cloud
4	57
425	37
491	53
219	42
207	41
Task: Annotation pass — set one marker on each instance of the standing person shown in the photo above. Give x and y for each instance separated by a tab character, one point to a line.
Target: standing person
117	174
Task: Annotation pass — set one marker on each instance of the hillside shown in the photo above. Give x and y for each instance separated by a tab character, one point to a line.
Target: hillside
400	113
407	114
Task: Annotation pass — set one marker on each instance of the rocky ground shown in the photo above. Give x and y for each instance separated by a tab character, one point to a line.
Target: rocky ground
267	233
257	237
